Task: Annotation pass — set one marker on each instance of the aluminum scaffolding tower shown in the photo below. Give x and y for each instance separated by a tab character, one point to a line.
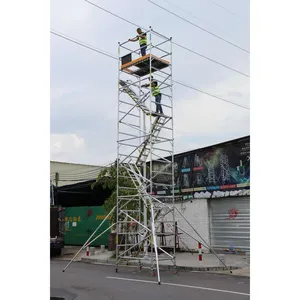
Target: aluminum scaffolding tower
145	136
145	161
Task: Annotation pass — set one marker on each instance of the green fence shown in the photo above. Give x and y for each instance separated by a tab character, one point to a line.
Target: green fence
81	222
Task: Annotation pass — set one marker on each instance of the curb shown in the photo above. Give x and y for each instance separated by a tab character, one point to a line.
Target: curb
229	274
162	267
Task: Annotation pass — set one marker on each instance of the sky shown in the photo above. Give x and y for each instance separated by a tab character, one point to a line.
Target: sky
84	83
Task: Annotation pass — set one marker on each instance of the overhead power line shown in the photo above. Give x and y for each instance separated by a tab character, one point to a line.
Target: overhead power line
109	12
196	17
77	169
183	47
68	176
178	82
212	60
209	94
223	7
82	44
79	172
201	28
80	175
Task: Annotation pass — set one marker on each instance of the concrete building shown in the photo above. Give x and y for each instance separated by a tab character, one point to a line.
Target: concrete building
213	193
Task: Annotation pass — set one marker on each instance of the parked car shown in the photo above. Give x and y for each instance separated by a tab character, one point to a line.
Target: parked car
56	238
56	244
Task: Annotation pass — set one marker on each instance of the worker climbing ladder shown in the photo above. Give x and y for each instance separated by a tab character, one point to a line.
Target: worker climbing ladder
145	136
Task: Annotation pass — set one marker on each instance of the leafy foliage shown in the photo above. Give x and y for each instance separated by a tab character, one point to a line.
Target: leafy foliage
108	179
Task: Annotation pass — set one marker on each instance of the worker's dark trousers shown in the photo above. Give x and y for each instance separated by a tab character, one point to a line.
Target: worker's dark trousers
143	49
158	105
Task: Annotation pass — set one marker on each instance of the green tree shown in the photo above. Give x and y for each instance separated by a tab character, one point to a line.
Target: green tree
108	179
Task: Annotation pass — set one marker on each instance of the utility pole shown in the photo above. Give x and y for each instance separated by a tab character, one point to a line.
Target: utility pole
56	178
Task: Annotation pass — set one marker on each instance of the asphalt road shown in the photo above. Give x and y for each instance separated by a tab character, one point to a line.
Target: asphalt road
88	282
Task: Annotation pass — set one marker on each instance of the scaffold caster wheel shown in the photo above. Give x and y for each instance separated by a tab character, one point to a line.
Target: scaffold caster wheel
159	283
116	270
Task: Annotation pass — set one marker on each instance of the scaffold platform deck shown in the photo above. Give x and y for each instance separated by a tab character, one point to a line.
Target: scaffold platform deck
141	66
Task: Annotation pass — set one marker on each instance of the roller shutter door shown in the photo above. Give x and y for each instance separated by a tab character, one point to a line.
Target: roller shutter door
230	223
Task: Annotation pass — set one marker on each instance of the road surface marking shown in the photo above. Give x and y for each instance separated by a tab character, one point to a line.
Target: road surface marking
181	285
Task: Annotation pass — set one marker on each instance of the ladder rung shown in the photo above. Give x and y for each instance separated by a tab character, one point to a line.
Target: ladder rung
159	221
165	233
163	173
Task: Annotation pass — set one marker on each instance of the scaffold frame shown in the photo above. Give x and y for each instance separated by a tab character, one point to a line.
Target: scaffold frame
145	155
145	136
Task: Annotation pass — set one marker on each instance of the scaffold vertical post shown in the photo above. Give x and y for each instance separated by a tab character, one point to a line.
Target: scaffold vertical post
145	152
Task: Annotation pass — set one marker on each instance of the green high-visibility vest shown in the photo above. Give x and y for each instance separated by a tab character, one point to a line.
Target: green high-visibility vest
155	90
143	40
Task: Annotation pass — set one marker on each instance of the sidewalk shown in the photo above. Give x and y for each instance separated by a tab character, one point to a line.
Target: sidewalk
238	264
185	262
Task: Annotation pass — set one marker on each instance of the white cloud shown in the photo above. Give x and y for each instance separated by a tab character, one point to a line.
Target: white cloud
71	147
66	146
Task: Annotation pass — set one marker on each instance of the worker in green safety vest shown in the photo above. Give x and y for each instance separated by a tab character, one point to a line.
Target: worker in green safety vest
155	93
142	38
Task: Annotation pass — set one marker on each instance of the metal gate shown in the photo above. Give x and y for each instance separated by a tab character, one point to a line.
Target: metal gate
230	224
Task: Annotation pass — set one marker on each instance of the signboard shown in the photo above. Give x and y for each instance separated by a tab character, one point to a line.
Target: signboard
215	171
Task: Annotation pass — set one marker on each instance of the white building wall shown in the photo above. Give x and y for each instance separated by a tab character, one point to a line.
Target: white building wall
196	212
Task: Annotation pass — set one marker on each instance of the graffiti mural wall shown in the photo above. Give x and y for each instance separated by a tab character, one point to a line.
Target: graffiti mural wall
217	171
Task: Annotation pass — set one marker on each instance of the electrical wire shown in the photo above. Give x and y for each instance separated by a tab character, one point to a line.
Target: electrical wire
201	28
91	175
209	94
192	15
191	87
78	185
77	173
75	180
89	170
223	7
83	171
79	176
113	14
67	178
192	51
212	60
81	44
